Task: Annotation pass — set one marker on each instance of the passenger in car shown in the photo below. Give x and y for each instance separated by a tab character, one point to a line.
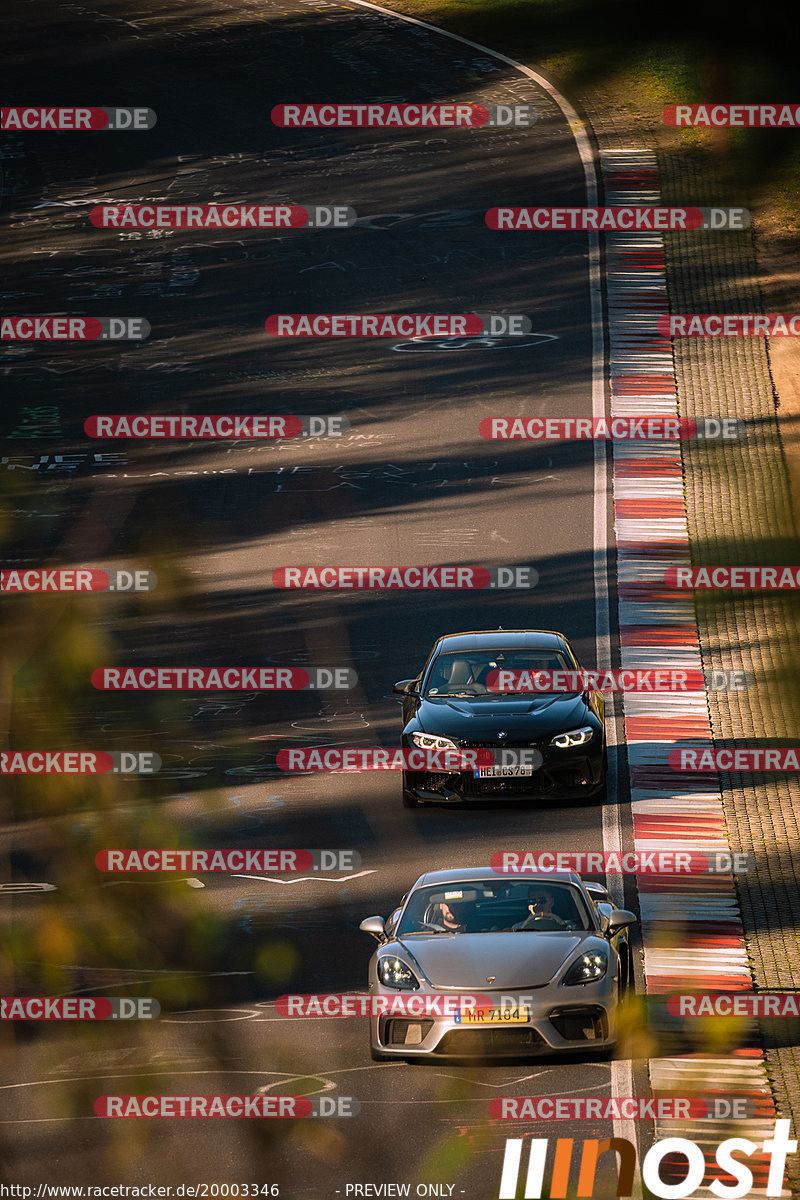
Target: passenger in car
452	917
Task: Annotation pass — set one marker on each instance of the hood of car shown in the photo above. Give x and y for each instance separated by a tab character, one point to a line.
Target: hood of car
516	960
518	716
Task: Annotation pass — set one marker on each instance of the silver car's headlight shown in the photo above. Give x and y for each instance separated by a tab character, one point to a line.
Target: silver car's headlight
588	968
574	737
431	741
394	973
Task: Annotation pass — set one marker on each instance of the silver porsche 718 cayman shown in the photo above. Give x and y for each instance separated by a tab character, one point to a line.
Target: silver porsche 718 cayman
547	957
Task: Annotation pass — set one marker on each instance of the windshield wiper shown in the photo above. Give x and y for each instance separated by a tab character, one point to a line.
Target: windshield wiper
528	692
449	695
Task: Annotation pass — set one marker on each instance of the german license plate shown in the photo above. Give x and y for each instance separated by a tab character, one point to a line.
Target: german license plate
503	772
493	1016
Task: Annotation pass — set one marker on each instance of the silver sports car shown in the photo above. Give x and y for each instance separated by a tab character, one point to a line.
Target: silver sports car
475	962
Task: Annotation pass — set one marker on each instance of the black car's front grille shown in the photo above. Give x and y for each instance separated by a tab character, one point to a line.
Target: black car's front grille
468	785
524	785
540	783
490	1041
570	777
499	744
433	783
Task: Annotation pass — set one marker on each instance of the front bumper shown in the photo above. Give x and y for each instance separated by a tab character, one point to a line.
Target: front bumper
562	776
558	1024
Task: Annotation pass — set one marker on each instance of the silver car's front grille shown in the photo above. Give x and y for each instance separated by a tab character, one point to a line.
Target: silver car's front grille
490	1041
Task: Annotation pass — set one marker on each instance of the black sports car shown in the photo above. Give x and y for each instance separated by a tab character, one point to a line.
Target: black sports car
454	704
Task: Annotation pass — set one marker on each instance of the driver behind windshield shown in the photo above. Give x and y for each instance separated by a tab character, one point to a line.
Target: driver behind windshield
540	911
452	674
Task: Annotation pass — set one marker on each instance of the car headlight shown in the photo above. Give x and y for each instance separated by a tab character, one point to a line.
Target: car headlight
588	968
574	737
394	973
431	741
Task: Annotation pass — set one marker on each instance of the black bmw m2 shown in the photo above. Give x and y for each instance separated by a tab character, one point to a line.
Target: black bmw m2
475	691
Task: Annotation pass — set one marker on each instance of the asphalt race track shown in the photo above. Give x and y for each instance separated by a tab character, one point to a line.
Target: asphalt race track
412	482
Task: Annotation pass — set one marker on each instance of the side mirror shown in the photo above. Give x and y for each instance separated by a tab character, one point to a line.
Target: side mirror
406	687
621	919
376	926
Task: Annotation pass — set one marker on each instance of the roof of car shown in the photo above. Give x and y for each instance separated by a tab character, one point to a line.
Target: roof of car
505	639
466	874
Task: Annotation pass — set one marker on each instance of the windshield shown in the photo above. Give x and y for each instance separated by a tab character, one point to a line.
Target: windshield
478	672
492	907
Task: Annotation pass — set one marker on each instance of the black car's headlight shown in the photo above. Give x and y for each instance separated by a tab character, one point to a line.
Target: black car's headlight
574	737
432	741
588	968
394	973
